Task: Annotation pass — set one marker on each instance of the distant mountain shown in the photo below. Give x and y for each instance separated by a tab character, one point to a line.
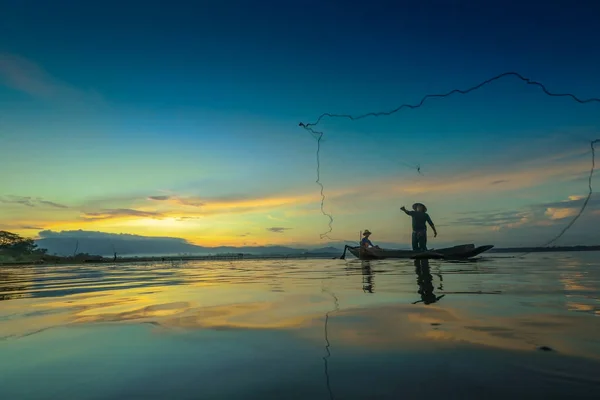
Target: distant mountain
65	243
326	250
68	243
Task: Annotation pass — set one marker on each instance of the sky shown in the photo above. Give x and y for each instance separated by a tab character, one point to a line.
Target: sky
180	119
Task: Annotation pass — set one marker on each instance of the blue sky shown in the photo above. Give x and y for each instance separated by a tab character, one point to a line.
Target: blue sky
108	104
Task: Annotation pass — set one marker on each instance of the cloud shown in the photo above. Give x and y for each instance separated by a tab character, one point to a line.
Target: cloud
24	201
537	223
190	201
159	198
226	201
29	201
560	213
489	219
278	229
186	207
199	206
81	234
573	201
52	204
541	214
120	213
94	242
187	218
24	75
518	178
474	181
569	208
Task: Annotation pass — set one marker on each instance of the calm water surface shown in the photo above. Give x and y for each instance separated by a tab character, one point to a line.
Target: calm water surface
303	329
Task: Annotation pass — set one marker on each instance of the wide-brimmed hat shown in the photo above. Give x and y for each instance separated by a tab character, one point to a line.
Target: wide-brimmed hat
366	232
419	204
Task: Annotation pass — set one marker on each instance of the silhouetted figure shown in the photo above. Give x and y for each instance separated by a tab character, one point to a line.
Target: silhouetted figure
368	284
365	242
420	219
425	282
115	257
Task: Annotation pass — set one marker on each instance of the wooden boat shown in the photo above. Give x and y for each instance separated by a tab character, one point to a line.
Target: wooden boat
460	252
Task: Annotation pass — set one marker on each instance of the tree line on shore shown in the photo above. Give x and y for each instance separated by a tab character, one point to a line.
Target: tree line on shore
16	248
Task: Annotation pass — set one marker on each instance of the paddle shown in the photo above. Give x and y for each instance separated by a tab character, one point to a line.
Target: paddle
343	256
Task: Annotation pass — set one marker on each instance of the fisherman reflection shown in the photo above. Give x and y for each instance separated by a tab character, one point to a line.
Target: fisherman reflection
425	282
368	283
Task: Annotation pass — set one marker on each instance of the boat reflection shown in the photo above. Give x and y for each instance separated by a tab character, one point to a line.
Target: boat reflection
368	282
425	282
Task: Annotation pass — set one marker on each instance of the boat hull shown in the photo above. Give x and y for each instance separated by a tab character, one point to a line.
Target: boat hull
460	252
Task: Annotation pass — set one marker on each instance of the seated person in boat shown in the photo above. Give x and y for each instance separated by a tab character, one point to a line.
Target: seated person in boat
419	219
365	243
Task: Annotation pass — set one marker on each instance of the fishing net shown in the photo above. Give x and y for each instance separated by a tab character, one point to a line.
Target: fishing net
479	131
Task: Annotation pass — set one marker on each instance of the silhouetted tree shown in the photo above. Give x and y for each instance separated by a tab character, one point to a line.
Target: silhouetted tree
15	245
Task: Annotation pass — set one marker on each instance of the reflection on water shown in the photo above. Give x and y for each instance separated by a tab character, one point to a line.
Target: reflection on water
425	282
328	344
260	329
368	282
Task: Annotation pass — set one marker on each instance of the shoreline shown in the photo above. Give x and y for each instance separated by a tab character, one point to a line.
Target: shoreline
124	260
57	260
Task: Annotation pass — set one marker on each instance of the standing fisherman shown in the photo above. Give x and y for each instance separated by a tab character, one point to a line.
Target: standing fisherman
419	219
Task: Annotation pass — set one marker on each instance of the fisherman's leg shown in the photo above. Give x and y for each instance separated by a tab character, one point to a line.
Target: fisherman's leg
415	241
423	241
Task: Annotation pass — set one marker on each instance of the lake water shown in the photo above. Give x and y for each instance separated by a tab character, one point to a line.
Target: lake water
303	329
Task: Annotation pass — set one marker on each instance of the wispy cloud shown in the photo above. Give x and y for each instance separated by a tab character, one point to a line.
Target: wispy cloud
278	229
573	201
29	201
121	213
187	208
187	218
159	198
490	219
232	204
26	76
52	204
534	216
515	176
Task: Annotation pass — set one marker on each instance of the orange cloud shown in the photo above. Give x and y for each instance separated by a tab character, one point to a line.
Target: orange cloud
235	204
560	213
